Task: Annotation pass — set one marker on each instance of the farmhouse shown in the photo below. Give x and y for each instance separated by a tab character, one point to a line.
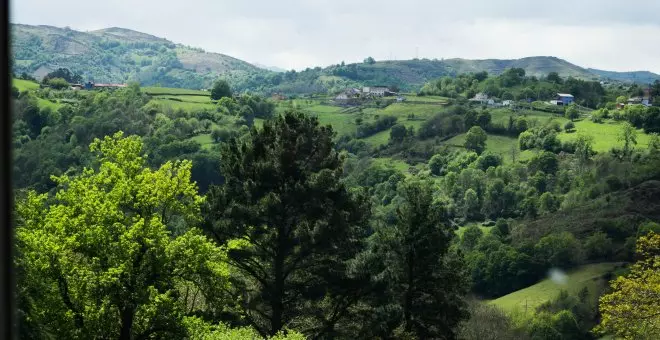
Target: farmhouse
379	90
480	97
348	94
563	99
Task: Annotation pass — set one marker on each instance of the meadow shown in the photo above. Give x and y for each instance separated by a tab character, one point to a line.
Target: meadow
606	134
522	303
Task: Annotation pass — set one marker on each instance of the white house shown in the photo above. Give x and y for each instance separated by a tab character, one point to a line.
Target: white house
379	91
481	98
507	102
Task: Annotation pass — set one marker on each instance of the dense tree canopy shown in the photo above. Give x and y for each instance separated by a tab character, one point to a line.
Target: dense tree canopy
282	195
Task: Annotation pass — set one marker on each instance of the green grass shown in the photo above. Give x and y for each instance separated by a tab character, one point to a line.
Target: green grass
605	135
172	91
204	139
340	122
533	296
396	164
24	85
500	145
459	232
47	103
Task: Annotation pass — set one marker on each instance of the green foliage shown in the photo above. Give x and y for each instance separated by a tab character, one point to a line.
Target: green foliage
572	112
598	246
631	310
425	280
471	237
298	219
475	140
569	126
381	124
220	90
101	260
561	250
58	83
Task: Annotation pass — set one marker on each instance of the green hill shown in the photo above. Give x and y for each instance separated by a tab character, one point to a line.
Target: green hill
121	55
533	66
643	77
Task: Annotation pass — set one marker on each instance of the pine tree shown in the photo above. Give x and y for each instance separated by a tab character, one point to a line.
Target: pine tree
426	281
283	196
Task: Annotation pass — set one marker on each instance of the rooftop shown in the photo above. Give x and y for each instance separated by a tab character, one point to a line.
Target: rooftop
565	95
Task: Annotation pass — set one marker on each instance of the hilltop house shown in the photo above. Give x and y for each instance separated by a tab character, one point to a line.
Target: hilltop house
563	99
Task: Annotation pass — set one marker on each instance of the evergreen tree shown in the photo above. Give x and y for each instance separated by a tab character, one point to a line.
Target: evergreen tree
426	281
283	196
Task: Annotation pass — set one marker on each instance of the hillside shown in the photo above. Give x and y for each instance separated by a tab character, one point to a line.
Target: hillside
121	55
523	302
533	66
643	77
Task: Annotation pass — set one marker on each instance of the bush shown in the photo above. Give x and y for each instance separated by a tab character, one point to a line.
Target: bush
598	246
569	126
58	83
561	250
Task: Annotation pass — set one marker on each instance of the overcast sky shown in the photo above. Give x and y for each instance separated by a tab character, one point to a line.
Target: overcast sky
607	34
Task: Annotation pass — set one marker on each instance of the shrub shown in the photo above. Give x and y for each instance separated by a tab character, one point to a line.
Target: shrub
569	126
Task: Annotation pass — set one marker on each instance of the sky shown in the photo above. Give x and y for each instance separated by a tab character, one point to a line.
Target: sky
294	34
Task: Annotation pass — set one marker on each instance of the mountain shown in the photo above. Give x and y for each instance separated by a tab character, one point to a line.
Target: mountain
644	77
121	55
533	66
269	68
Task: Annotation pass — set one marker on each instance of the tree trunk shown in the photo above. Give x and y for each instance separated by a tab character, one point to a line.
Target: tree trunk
127	316
407	308
278	289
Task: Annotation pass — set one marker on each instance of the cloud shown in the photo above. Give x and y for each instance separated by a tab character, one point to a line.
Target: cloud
306	33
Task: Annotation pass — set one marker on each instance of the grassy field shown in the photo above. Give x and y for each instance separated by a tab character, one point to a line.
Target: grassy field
172	91
24	85
393	163
500	145
47	103
529	298
205	140
605	135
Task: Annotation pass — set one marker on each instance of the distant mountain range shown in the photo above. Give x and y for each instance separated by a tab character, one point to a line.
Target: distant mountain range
122	55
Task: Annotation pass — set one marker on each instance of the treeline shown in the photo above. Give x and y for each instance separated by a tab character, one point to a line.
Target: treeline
130	251
514	84
51	141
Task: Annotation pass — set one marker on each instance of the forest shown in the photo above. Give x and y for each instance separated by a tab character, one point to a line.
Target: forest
299	221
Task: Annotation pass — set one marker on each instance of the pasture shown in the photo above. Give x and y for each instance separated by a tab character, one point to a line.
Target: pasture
522	303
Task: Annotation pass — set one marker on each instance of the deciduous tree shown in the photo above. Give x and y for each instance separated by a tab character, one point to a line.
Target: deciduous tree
100	260
632	310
